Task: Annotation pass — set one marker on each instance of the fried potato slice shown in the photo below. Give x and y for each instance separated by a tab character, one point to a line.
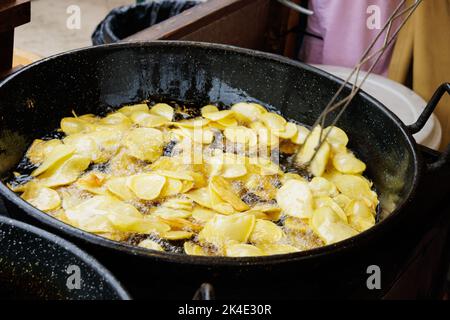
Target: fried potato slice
295	199
346	162
163	110
58	154
43	198
150	244
266	232
242	250
147	186
221	229
145	143
329	226
224	190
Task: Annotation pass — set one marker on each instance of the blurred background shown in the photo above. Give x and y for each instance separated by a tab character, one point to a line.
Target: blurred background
47	33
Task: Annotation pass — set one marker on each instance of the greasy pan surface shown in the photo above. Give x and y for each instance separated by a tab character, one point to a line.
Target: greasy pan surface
33	265
93	80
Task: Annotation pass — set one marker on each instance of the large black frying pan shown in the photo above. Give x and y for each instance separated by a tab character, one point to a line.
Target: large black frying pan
33	101
35	264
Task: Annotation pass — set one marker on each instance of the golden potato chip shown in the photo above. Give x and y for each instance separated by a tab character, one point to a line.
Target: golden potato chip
360	216
146	186
266	232
224	190
148	120
163	110
118	187
209	109
242	250
92	182
273	121
203	215
128	110
40	149
289	132
74	125
65	172
172	187
193	249
330	203
277	248
329	227
43	198
150	244
221	229
295	199
169	213
317	163
177	235
322	187
58	154
247	112
337	138
218	115
301	135
348	163
145	143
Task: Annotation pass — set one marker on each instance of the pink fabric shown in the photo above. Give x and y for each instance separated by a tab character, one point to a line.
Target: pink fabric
343	26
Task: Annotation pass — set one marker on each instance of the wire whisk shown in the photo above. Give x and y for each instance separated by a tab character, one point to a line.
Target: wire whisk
401	11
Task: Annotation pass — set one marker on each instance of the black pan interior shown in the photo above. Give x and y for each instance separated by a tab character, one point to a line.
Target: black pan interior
99	79
37	265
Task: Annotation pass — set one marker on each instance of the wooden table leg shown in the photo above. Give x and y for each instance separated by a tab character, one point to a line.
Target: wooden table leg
6	49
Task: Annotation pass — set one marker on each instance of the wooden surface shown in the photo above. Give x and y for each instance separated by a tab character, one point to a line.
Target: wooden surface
255	24
23	58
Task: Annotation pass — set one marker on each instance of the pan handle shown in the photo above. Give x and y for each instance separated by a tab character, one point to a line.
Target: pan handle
426	114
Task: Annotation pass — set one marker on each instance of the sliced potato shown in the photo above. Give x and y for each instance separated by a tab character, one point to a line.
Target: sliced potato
301	135
65	172
329	226
277	248
266	232
295	199
224	190
192	249
118	187
289	132
221	229
163	110
360	216
150	244
145	143
348	163
59	153
273	121
128	110
40	149
177	235
322	187
247	112
43	198
307	156
146	186
242	250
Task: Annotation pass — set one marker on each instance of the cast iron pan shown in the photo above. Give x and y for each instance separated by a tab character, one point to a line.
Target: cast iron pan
99	79
35	264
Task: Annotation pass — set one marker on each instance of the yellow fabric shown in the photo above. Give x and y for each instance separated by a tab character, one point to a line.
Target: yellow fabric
421	57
